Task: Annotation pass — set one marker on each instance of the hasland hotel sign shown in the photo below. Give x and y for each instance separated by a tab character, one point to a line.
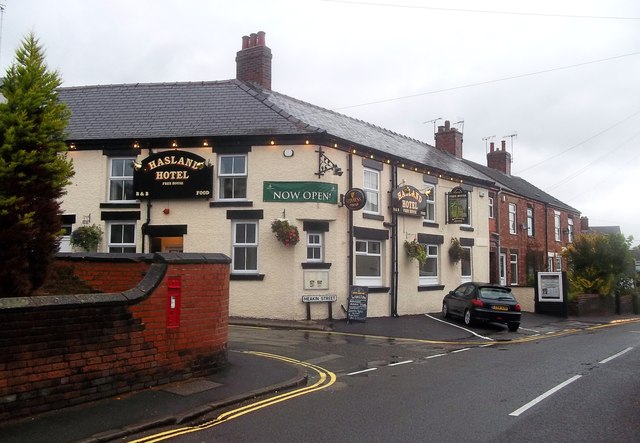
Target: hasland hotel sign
173	174
408	200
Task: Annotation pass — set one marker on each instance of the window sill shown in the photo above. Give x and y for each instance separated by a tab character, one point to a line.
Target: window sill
246	277
373	216
124	205
466	228
313	265
430	225
379	289
230	204
423	288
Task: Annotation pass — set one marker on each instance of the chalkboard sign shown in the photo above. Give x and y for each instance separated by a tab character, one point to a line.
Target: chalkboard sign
357	306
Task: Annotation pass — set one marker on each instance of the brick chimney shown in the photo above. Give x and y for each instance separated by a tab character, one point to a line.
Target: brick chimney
253	61
449	139
499	159
584	224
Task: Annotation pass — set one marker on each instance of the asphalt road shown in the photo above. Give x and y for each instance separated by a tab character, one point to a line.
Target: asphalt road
582	387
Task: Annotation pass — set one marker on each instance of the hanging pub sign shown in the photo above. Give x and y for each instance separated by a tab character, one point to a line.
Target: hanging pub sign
458	206
300	192
354	199
408	200
171	175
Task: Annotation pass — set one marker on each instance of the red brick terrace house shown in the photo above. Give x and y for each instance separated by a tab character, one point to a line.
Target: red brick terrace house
527	226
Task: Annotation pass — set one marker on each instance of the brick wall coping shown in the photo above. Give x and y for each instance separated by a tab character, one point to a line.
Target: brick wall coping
151	280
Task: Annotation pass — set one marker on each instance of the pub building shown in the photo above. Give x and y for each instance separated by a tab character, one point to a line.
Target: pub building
308	203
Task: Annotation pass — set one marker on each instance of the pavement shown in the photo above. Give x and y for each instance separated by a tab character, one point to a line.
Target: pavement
248	376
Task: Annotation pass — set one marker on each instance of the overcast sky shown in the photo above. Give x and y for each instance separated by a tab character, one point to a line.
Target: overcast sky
563	75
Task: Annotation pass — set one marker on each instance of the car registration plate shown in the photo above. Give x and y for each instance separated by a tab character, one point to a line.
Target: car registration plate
500	308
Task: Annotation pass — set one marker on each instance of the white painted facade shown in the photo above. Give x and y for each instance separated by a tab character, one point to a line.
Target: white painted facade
276	288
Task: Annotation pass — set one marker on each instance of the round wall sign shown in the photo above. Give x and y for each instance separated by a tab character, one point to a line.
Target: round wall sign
355	199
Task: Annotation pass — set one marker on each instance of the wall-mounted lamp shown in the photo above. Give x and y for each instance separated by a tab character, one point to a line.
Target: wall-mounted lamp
324	164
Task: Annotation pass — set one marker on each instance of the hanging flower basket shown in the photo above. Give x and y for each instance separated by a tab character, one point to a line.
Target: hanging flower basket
415	250
285	232
456	251
87	237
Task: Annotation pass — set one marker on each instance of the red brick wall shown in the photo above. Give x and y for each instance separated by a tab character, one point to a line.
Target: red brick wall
539	244
61	350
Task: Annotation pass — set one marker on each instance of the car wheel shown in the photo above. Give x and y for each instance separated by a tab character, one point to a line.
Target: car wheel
513	326
467	317
445	310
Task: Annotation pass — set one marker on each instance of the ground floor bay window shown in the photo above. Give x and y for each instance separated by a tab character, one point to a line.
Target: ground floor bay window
429	269
122	237
368	263
245	247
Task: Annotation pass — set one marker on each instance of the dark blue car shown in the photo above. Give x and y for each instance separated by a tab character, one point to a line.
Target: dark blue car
483	302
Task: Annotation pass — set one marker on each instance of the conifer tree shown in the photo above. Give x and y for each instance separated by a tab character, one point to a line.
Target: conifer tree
34	170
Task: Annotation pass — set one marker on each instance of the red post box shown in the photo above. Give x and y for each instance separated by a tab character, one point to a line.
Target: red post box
174	294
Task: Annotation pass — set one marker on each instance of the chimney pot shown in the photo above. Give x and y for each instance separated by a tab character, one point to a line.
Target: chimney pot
253	61
447	125
492	146
504	145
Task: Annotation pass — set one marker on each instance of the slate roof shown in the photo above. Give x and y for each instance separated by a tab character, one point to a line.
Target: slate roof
520	187
231	108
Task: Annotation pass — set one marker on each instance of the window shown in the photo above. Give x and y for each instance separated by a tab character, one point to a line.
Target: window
491	206
512	219
368	263
466	271
371	187
513	261
122	237
558	263
556	225
245	247
530	227
570	230
314	246
430	214
429	270
232	172
121	179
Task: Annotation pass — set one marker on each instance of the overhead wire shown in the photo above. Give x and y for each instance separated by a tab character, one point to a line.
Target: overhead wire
486	11
470	85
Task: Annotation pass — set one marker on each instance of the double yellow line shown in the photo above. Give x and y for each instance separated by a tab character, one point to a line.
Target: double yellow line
325	379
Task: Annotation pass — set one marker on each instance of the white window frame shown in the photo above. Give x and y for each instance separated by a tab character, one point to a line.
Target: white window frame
513	269
558	262
430	210
491	214
530	221
368	280
463	277
373	194
433	252
121	178
234	176
315	243
513	219
556	226
236	246
570	230
112	245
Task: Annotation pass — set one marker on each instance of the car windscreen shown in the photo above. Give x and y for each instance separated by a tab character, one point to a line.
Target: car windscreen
496	294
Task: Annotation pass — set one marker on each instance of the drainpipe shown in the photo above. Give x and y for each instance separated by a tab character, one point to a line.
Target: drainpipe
146	224
394	248
546	236
497	217
350	228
